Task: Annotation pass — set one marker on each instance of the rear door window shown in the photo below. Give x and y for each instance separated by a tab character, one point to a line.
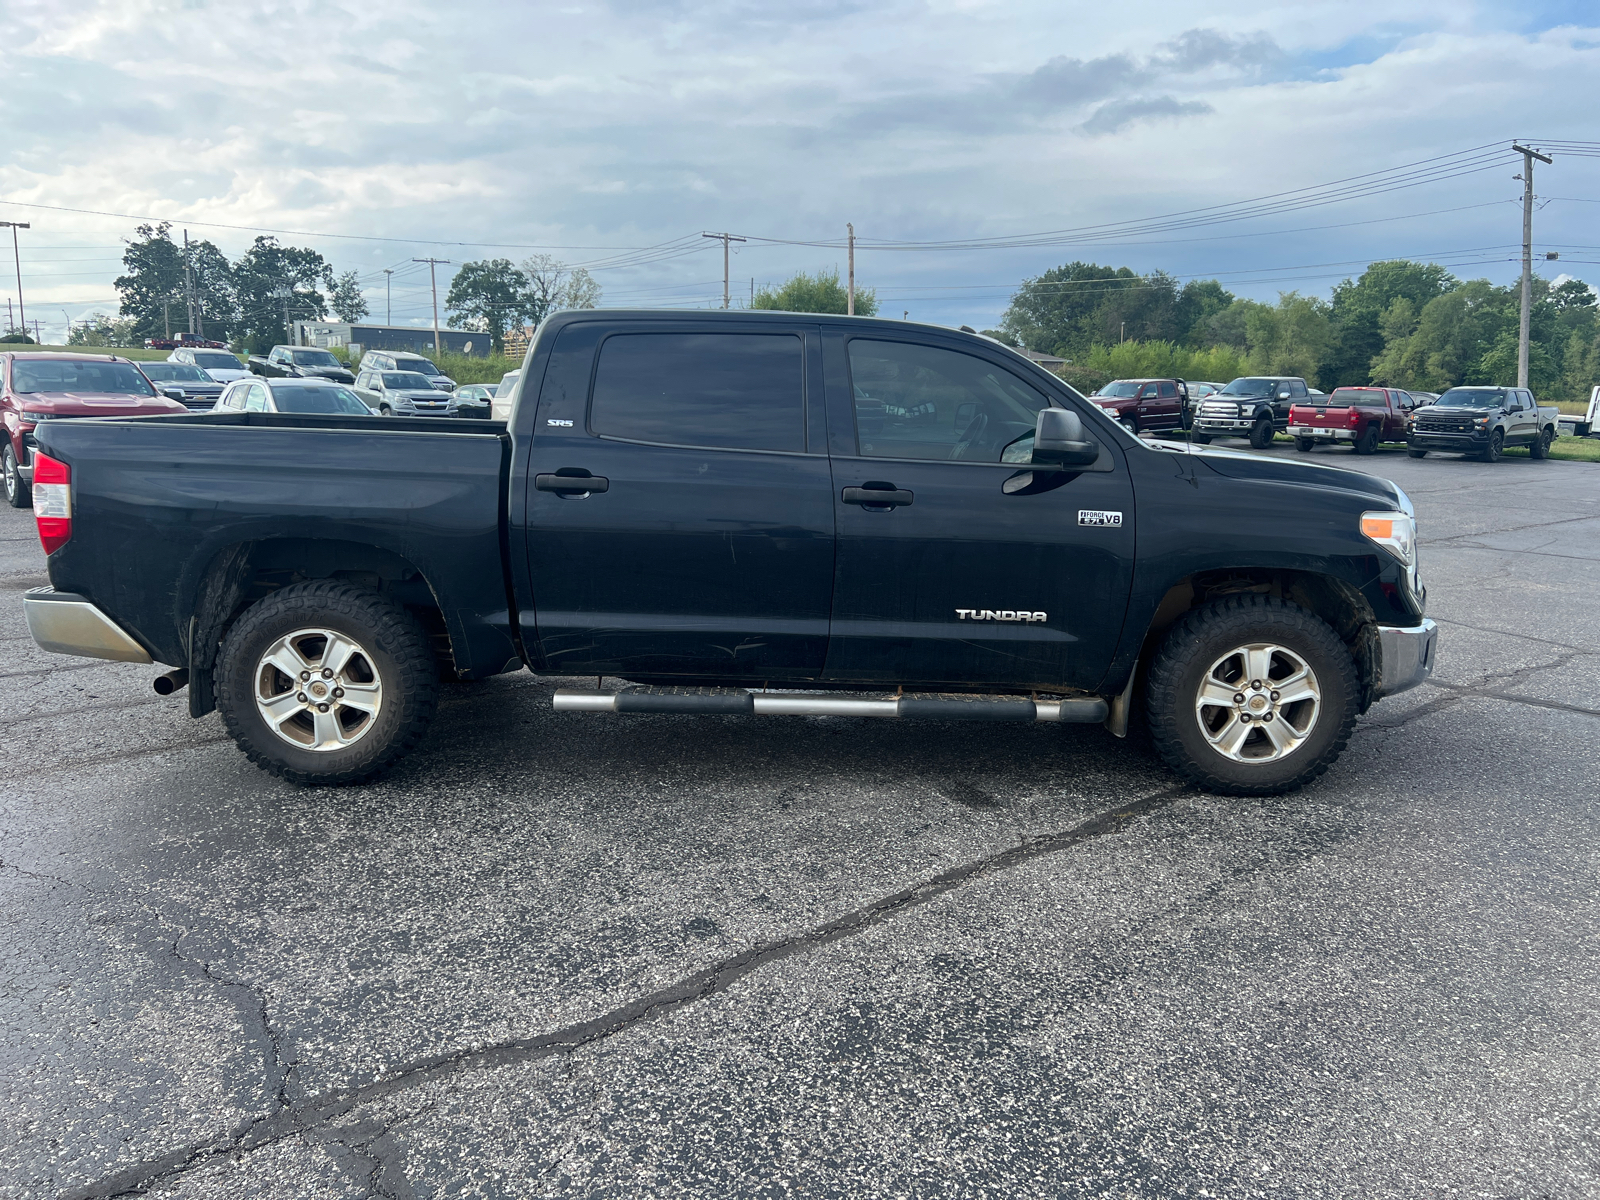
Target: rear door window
733	391
1167	391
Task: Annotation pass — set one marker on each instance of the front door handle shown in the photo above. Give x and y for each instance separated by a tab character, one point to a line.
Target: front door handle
878	495
571	481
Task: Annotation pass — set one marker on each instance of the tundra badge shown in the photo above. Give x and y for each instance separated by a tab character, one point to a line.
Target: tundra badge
1003	614
1099	516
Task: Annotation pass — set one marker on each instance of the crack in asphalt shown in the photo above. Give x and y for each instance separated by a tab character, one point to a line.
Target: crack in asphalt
311	1116
92	760
1527	637
1490	690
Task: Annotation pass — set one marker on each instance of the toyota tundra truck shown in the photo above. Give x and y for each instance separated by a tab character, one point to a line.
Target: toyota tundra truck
737	514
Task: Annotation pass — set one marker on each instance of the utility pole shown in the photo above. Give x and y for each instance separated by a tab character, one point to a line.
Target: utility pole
850	296
22	316
388	310
188	282
433	279
1527	257
9	316
282	292
725	238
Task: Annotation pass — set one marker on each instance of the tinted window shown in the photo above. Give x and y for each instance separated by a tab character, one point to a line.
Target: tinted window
72	375
406	381
924	402
217	361
1167	391
743	391
319	400
169	371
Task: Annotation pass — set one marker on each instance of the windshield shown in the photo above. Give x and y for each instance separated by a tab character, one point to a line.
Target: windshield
1118	389
218	361
418	364
1472	398
406	379
171	371
1249	387
319	400
70	375
1353	396
314	358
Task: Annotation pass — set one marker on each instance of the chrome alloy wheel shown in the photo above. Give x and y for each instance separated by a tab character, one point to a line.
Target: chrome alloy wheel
1258	703
318	689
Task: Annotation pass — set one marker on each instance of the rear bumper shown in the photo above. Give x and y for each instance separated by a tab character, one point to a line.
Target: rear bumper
1313	431
1408	656
64	623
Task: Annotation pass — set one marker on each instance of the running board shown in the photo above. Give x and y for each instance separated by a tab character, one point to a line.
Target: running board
1086	710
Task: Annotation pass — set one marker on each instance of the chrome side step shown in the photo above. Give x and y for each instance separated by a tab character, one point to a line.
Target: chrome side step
1087	710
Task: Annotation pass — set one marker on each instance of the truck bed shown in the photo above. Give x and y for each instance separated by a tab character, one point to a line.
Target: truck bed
163	508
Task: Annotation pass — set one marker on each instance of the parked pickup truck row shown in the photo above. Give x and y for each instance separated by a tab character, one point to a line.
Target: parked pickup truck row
739	514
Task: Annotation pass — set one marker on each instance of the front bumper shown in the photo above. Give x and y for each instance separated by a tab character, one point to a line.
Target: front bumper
65	623
1407	657
1314	431
1466	443
1222	425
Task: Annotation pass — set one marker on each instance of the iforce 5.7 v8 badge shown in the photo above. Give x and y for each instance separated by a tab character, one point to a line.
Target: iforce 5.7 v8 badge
1099	516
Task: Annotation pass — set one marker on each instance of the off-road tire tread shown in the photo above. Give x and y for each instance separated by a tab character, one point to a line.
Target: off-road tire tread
1181	646
1256	440
393	630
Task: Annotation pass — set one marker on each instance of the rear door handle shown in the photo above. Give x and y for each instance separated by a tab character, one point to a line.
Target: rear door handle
877	497
570	481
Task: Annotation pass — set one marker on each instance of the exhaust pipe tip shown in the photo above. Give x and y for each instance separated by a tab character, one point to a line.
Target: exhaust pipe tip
171	682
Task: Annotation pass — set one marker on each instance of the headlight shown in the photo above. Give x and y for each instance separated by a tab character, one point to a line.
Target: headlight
36	417
1481	421
1396	532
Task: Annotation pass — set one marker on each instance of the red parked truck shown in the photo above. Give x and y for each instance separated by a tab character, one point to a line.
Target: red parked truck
1360	417
40	387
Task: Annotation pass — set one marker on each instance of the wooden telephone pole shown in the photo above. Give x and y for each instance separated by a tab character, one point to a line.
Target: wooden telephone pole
434	279
1527	257
724	238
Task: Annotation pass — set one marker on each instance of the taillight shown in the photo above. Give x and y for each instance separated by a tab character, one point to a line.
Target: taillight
52	501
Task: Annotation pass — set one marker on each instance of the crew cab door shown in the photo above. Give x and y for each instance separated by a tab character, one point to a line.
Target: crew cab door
680	514
947	578
1522	423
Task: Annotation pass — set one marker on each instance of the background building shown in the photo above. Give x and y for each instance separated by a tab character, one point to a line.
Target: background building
390	337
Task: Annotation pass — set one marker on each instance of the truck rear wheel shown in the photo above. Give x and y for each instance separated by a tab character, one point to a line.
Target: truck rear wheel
1304	445
326	683
1367	443
1540	446
1261	433
1251	696
18	493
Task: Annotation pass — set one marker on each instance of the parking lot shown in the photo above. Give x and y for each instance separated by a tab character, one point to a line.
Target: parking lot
566	954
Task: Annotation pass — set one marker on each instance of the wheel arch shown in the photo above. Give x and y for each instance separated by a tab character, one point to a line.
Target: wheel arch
240	574
1328	597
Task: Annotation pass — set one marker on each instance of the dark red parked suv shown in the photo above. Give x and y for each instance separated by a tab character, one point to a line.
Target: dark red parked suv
53	387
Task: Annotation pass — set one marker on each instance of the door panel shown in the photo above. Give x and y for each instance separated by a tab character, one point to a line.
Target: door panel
707	561
963	583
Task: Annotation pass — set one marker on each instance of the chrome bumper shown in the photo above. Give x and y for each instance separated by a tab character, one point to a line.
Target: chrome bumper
1222	425
64	623
1312	431
1408	656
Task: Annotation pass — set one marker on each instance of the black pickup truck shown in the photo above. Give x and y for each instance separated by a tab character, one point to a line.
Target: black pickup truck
293	362
752	513
1483	421
1252	406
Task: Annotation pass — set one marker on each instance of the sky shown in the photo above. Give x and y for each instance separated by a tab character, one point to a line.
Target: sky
948	132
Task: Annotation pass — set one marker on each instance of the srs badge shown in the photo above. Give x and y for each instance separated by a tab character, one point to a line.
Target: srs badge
1100	516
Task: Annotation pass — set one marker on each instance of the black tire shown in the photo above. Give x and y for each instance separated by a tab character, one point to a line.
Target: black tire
1540	446
385	411
1132	424
19	493
397	655
1497	443
1414	453
1202	439
1305	445
1367	443
1261	434
1205	637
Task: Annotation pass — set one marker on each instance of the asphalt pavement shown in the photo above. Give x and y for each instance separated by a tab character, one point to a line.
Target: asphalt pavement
568	954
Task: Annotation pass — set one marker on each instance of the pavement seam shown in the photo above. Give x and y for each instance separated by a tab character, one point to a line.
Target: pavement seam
307	1117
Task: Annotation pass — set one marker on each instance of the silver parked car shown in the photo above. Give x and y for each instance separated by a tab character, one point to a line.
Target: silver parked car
401	394
219	364
289	395
404	360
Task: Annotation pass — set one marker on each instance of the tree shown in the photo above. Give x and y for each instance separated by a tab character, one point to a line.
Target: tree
1453	333
819	293
1050	312
552	286
491	297
1359	305
346	300
1000	335
101	329
153	294
260	277
1291	337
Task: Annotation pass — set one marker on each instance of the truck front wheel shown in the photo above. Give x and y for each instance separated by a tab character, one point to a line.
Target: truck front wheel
326	683
1497	443
1251	696
1261	433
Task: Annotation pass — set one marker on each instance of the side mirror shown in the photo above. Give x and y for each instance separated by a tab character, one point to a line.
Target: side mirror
172	393
1283	396
1059	441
